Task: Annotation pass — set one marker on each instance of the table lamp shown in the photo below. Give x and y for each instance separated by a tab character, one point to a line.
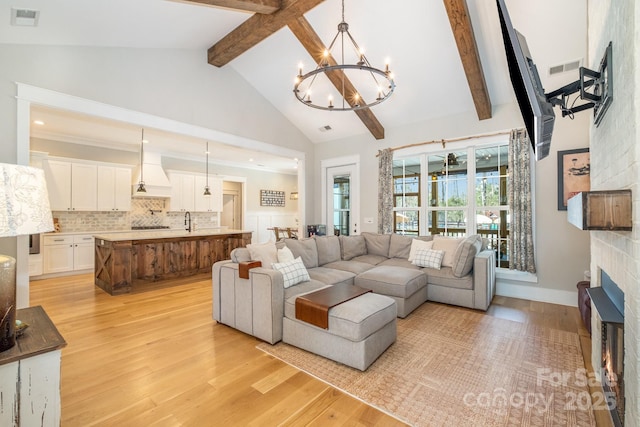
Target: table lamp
24	209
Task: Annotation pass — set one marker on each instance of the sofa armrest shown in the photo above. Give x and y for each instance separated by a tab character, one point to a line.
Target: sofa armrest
268	303
254	306
484	279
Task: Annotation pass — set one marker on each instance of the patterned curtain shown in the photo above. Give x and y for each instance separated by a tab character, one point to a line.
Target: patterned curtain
519	188
385	191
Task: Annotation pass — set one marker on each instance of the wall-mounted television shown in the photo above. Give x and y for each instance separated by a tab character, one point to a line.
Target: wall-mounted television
536	110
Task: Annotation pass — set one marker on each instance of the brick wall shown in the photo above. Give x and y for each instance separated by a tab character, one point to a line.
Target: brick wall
615	159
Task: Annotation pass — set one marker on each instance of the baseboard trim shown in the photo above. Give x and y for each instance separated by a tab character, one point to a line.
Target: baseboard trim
535	293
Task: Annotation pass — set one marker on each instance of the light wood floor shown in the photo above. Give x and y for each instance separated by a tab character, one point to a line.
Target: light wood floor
158	358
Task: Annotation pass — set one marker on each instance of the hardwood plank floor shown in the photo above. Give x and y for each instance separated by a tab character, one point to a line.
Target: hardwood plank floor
158	358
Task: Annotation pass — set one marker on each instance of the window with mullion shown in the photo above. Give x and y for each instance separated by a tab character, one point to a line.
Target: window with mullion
406	201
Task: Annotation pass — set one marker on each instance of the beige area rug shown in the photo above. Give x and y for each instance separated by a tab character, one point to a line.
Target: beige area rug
452	366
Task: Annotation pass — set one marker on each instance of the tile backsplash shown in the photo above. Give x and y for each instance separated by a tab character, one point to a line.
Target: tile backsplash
144	212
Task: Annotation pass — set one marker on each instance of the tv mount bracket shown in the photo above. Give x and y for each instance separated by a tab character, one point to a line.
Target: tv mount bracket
599	99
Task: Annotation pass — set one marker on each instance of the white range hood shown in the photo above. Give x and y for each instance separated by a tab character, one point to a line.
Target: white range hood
155	179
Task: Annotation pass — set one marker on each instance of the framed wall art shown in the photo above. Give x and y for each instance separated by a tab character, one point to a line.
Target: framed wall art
272	198
574	174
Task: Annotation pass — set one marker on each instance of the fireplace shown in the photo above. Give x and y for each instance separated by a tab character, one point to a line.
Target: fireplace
608	300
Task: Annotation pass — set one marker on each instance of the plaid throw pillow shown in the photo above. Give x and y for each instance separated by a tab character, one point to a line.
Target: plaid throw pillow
428	258
293	272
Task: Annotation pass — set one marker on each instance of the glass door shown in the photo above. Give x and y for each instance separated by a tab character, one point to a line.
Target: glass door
341	197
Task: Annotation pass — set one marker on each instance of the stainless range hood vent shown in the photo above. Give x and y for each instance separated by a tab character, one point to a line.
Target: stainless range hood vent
155	179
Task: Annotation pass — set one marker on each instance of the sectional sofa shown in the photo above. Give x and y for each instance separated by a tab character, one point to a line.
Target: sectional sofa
457	271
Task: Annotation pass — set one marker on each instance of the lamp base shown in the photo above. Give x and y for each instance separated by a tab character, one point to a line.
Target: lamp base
7	302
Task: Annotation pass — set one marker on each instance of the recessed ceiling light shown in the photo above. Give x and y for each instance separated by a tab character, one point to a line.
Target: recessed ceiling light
251	160
145	141
38	122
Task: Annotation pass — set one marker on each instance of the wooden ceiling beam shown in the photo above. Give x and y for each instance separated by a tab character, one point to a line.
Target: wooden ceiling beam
468	49
255	29
255	6
307	36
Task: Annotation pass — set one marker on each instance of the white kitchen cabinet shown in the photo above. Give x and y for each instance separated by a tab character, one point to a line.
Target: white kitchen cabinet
57	254
71	186
67	253
114	188
182	192
212	203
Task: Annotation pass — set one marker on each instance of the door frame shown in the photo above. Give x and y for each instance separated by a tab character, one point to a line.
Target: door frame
354	163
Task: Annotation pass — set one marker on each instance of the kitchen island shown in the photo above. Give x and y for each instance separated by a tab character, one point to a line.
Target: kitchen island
133	260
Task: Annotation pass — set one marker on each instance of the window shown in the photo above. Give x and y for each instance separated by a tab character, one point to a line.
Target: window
455	193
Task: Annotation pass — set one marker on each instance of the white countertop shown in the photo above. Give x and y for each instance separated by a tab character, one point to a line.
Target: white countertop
163	234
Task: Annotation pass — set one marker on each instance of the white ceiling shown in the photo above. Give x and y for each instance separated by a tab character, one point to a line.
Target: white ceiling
414	34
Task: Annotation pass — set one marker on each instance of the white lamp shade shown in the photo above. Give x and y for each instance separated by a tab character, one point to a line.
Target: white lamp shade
24	202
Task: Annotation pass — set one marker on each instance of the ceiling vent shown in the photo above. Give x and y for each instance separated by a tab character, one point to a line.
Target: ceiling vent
325	128
24	17
563	68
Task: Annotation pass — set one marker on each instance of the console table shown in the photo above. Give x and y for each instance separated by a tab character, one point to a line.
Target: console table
30	373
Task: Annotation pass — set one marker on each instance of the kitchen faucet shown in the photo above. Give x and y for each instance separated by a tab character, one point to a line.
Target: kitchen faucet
188	228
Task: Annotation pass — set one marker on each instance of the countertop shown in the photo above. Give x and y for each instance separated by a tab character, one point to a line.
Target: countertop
163	234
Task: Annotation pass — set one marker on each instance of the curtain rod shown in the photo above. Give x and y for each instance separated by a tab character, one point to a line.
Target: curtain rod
444	141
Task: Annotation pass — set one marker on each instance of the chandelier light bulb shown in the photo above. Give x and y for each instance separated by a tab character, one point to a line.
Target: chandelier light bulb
330	101
299	70
308	97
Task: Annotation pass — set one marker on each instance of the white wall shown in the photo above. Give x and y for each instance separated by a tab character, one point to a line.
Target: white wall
615	164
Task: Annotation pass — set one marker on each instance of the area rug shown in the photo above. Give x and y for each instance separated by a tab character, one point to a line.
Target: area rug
452	366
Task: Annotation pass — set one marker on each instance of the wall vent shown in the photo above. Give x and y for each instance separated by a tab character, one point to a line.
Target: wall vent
563	68
325	128
24	17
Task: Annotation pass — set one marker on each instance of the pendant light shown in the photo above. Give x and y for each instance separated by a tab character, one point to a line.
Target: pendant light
206	187
141	187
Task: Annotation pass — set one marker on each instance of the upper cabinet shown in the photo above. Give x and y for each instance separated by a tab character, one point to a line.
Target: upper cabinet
71	186
114	185
87	186
187	193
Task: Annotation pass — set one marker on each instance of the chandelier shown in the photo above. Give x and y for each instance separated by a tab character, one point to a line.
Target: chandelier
341	80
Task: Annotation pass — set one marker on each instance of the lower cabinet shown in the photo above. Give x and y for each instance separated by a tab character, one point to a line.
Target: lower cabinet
67	253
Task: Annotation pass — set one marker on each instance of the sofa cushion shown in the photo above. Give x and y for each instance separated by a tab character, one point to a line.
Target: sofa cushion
399	262
428	258
465	254
399	246
293	272
305	249
448	245
393	281
331	276
328	249
445	277
417	244
239	255
370	259
355	319
352	246
377	244
263	252
285	255
303	288
354	267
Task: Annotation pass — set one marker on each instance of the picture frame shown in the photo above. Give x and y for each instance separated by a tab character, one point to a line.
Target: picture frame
272	198
574	174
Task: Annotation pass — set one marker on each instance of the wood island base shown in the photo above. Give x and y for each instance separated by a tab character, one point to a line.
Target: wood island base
124	261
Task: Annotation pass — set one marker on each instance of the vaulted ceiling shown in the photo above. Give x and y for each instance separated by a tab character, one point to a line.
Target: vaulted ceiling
447	55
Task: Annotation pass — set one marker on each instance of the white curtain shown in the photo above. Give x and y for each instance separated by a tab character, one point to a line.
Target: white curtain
520	204
385	191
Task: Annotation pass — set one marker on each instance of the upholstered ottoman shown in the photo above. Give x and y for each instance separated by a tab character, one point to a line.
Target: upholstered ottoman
360	330
406	286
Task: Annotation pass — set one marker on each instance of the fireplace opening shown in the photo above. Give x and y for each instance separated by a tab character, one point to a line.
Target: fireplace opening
608	300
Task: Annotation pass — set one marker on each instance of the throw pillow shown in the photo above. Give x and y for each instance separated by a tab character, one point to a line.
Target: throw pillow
263	252
465	254
448	245
416	245
285	255
428	258
293	272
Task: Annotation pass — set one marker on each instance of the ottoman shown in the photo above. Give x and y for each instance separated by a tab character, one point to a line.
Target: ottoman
360	330
406	286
